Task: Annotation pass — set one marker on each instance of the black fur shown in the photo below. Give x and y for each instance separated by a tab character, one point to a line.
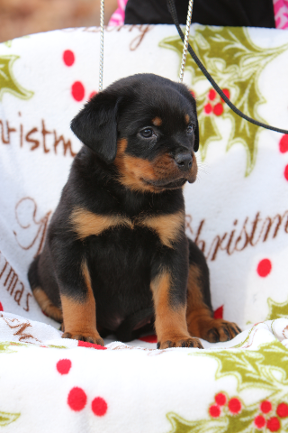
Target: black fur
122	262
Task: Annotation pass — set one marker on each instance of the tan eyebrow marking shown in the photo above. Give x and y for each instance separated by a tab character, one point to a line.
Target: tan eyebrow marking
187	119
157	121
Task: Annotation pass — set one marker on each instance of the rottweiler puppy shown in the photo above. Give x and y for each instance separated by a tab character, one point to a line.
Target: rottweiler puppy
116	258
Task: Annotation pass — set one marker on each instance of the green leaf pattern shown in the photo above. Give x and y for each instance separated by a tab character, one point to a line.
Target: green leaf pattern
7	418
277	310
8	82
266	369
235	63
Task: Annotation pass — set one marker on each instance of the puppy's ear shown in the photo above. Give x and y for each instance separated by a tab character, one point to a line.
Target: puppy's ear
196	130
186	92
96	125
196	135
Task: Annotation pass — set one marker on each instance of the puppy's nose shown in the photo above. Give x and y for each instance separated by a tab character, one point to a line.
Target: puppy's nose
184	161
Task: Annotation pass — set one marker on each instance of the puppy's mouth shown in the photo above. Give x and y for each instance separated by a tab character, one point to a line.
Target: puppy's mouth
171	174
165	184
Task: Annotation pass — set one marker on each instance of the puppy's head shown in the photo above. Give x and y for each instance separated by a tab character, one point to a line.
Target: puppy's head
146	126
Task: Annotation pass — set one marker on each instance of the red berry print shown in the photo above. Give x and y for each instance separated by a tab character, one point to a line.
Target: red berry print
259	421
99	406
282	410
264	268
220	399
286	172
91	345
92	94
283	144
214	411
78	91
68	57
218	109
1	307
218	313
234	405
63	366
273	424
77	399
208	108
266	406
226	93
212	95
149	339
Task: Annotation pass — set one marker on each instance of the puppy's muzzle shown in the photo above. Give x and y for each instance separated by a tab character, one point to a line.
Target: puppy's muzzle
184	161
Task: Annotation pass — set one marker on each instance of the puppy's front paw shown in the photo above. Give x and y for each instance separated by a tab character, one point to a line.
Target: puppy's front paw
90	337
221	330
180	342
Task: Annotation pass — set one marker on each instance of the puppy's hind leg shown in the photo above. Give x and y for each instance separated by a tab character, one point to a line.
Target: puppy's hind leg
41	297
200	320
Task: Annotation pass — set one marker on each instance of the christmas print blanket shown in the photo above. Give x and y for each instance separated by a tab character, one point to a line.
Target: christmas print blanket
237	213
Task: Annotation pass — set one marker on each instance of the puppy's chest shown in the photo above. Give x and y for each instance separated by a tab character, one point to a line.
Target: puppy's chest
121	256
165	227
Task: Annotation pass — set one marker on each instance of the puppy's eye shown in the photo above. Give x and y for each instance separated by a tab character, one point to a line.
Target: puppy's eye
190	129
147	132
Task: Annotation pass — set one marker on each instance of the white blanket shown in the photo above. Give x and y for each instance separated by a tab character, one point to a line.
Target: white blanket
52	384
237	212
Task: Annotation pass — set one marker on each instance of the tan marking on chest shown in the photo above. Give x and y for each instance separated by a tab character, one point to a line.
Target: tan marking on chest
86	223
167	227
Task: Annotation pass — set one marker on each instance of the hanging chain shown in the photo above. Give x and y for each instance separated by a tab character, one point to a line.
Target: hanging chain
101	45
185	46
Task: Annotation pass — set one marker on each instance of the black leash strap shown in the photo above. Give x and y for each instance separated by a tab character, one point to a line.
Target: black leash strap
173	12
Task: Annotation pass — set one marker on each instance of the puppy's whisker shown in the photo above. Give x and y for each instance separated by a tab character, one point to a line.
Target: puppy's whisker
203	168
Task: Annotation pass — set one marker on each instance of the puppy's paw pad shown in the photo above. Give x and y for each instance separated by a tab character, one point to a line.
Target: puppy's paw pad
182	342
89	338
222	330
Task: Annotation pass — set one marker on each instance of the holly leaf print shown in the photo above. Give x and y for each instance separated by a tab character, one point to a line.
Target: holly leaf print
277	311
244	365
7	418
235	63
228	423
180	425
276	358
8	83
4	347
241	422
267	368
